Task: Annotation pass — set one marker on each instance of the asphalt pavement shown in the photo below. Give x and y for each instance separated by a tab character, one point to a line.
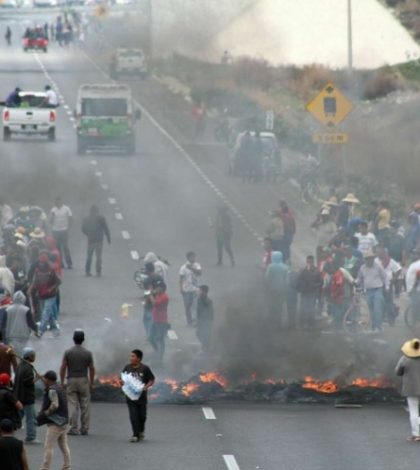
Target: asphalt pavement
160	200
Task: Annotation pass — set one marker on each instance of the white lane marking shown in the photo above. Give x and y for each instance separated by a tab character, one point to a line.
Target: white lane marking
118	216
126	235
93	162
66	106
172	335
208	412
98	174
231	462
72	119
134	254
182	151
112	200
104	186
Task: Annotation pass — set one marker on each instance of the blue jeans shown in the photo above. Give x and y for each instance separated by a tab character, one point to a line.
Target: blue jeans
49	315
189	298
376	303
30	415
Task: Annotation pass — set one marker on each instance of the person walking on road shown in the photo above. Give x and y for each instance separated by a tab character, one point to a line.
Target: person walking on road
138	408
78	364
289	224
12	453
188	284
408	368
44	286
223	227
309	284
20	323
95	228
61	218
276	283
8	36
159	327
10	406
205	317
54	413
24	389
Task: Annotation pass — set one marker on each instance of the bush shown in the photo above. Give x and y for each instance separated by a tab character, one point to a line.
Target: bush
381	85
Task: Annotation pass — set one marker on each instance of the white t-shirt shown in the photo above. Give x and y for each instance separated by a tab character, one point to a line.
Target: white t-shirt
60	218
51	97
392	268
189	281
366	242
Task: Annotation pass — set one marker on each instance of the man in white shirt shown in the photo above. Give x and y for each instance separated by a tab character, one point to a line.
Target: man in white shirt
51	97
367	240
60	219
188	284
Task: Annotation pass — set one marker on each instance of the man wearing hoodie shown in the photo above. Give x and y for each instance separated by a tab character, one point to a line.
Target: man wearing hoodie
19	324
276	282
7	280
161	268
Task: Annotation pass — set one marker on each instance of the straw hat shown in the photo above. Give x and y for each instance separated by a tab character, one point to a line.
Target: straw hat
411	348
37	233
351	198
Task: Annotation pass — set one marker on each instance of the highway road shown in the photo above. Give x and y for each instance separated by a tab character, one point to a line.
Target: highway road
160	200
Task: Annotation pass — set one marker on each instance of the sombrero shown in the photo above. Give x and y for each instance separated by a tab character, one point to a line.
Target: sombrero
411	348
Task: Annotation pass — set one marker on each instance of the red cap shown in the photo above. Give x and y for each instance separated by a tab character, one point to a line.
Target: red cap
4	379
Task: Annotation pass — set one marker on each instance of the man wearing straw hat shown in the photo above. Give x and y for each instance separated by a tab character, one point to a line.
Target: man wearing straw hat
408	368
346	209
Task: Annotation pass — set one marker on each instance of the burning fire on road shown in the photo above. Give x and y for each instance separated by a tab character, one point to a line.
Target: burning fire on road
214	386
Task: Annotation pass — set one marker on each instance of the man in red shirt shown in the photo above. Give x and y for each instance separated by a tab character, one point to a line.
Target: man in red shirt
160	325
337	294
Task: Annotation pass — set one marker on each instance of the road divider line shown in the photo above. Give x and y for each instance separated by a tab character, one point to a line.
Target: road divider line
118	216
125	235
208	412
104	186
112	200
231	462
134	255
180	149
93	162
172	335
98	173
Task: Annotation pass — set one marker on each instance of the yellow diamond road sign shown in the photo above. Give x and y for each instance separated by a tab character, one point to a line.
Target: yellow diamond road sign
330	106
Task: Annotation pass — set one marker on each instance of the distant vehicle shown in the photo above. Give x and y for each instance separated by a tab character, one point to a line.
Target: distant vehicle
106	118
8	4
47	3
32	117
34	39
271	158
130	62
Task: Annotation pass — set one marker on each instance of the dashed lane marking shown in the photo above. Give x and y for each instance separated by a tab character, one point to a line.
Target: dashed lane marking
98	173
231	462
134	255
184	153
208	412
126	235
104	186
118	216
93	162
112	200
172	335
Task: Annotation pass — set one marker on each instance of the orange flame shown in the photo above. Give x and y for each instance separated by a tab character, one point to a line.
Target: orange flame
190	388
380	382
328	386
172	383
112	380
214	377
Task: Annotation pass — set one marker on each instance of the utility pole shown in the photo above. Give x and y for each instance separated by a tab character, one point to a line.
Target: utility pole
350	36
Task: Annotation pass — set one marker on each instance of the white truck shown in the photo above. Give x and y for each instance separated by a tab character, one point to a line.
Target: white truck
32	117
128	62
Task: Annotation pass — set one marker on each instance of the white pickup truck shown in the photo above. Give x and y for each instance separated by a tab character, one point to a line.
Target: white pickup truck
32	117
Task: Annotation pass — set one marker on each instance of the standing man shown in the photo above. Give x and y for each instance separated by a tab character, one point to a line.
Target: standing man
45	285
12	452
276	281
289	224
223	226
188	284
61	218
54	413
205	317
51	97
408	368
160	325
94	226
372	277
138	408
24	389
367	240
309	284
10	406
78	363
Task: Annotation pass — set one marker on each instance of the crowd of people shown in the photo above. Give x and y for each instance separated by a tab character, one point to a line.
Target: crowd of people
372	250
